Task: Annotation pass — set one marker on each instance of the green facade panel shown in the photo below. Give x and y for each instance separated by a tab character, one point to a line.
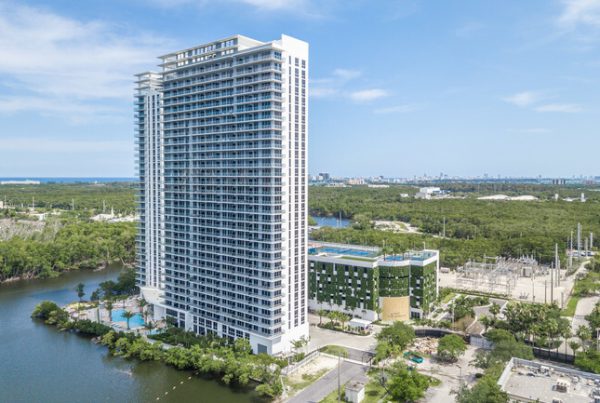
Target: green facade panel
348	285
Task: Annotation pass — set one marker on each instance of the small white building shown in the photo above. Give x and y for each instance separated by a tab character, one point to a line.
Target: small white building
360	324
428	193
355	391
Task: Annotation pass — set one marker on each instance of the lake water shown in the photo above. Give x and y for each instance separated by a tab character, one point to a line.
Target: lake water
332	222
40	364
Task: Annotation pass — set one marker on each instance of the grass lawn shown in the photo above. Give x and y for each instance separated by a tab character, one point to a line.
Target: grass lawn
335	350
448	297
571	306
307	379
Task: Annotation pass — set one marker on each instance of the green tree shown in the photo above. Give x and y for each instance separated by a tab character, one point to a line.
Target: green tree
495	309
141	304
108	304
505	347
450	347
80	291
44	309
398	336
321	313
585	335
361	222
343	319
404	385
486	390
128	315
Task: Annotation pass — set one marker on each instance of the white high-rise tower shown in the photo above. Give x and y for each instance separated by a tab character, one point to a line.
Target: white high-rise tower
222	158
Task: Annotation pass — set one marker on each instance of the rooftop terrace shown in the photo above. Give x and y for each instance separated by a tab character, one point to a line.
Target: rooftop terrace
365	253
536	381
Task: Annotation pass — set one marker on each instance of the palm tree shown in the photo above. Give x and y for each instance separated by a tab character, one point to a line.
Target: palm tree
128	315
321	313
494	309
150	326
142	303
109	307
344	318
585	334
332	315
574	346
80	293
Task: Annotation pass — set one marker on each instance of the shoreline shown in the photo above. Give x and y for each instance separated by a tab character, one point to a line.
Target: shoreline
56	274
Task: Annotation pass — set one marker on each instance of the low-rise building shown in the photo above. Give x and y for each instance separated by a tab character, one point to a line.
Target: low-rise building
366	283
428	193
534	381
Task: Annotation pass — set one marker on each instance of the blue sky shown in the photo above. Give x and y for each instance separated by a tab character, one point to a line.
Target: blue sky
398	88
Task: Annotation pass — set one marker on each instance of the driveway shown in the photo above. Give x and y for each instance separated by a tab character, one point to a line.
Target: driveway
322	337
585	306
329	382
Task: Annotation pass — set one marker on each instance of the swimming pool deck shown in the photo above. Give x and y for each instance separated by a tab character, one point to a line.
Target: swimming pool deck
366	253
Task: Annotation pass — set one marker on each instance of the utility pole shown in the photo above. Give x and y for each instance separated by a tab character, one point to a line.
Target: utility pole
556	264
578	239
339	380
444	229
552	274
571	252
545	291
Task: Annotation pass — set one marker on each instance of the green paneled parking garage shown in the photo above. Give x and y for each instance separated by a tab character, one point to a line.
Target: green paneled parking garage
365	283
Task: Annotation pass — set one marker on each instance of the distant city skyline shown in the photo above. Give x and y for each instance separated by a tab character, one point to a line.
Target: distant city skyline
398	88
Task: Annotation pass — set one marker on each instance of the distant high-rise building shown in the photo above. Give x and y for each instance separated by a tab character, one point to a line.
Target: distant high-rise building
222	159
324	176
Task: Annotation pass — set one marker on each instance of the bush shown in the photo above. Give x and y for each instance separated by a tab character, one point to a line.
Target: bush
91	328
44	309
450	347
588	361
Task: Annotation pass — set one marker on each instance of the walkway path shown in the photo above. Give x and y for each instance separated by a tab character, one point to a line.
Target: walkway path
585	306
329	382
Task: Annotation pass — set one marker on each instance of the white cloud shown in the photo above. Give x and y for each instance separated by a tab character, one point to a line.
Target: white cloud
404	108
334	84
562	108
346	74
368	95
523	99
585	12
61	65
322	92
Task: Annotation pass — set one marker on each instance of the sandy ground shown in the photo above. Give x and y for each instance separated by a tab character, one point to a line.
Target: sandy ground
320	364
451	375
396	227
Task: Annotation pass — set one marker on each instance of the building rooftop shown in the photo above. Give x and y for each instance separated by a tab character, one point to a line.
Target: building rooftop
365	253
537	381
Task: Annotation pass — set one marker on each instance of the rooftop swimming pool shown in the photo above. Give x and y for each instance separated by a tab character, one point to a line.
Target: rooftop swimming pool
415	256
136	320
342	251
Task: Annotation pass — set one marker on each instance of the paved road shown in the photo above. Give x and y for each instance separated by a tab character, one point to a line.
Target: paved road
328	383
585	306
